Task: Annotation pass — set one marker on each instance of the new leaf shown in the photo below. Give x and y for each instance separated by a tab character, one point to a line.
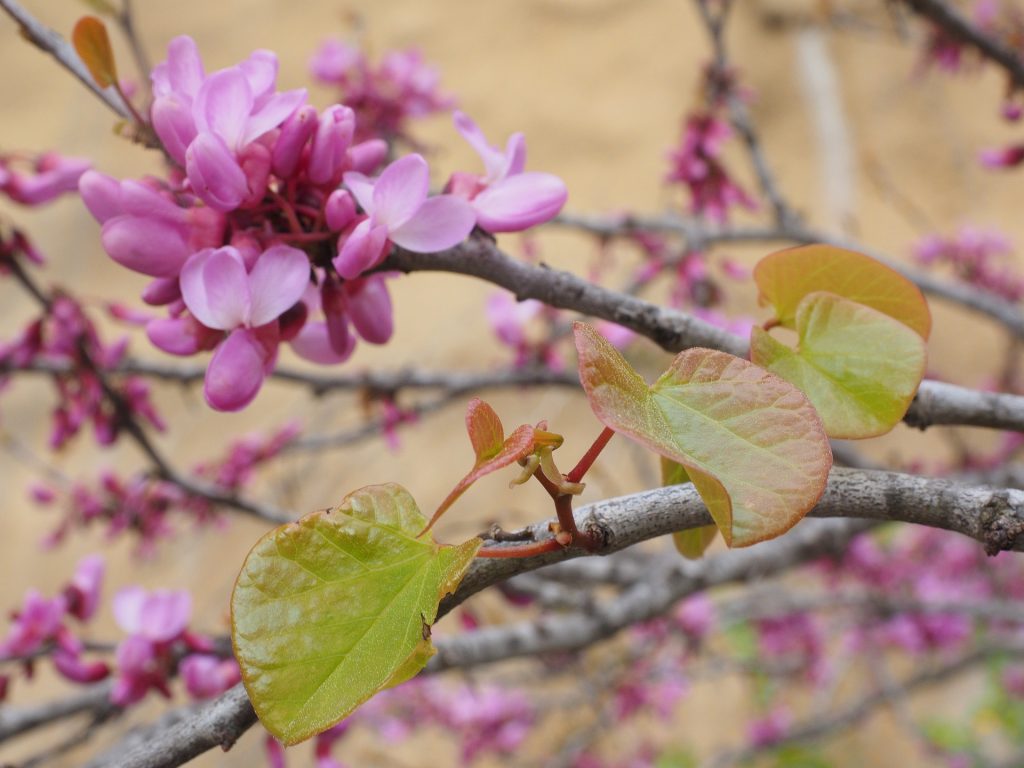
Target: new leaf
338	605
751	442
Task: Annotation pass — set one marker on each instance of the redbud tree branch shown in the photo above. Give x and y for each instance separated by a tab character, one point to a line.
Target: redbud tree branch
993	516
936	402
52	42
953	22
126	420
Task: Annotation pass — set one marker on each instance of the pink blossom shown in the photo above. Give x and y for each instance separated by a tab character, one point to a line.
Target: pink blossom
1005	157
35	624
398	210
83	594
49	176
505	198
209	123
385	97
222	295
697	164
207	676
158	617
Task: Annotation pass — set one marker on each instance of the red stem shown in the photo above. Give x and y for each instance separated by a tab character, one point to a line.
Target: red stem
577	472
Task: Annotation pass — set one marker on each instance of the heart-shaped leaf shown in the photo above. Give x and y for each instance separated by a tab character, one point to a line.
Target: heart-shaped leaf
785	277
751	442
859	367
691	543
493	451
332	608
93	46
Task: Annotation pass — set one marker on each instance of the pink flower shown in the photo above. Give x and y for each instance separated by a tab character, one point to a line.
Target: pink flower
83	594
207	676
697	164
505	198
398	210
209	123
1005	157
38	622
144	229
50	176
158	617
384	97
222	295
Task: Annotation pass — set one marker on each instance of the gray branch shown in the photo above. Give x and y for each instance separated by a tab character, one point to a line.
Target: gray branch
993	516
675	331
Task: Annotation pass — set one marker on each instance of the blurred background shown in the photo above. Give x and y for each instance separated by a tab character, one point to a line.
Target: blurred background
600	89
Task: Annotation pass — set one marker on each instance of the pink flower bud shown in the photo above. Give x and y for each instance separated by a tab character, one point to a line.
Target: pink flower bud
150	246
367	156
369	308
327	153
339	210
295	132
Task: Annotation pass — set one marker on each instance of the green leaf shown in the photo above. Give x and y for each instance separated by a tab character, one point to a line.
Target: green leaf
338	605
93	46
751	442
493	451
785	277
859	367
694	542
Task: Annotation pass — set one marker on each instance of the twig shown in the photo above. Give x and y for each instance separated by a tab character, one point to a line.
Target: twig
53	43
944	15
675	331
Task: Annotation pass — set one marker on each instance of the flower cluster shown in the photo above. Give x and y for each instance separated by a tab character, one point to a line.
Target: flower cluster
385	97
697	164
145	505
158	642
979	257
40	627
268	230
65	341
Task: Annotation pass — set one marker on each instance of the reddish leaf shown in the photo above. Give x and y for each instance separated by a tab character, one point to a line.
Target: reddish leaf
751	442
93	46
493	451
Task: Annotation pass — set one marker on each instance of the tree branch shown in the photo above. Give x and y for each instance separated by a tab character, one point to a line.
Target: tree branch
54	44
675	331
994	517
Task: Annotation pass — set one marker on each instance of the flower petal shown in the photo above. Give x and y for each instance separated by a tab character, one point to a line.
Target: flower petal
362	249
150	246
215	288
400	191
275	111
215	174
495	161
101	195
184	66
261	71
127	606
276	282
519	202
164	614
223	105
313	343
369	309
236	371
361	188
440	223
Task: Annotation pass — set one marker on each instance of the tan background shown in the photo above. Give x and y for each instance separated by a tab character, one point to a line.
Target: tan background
599	87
